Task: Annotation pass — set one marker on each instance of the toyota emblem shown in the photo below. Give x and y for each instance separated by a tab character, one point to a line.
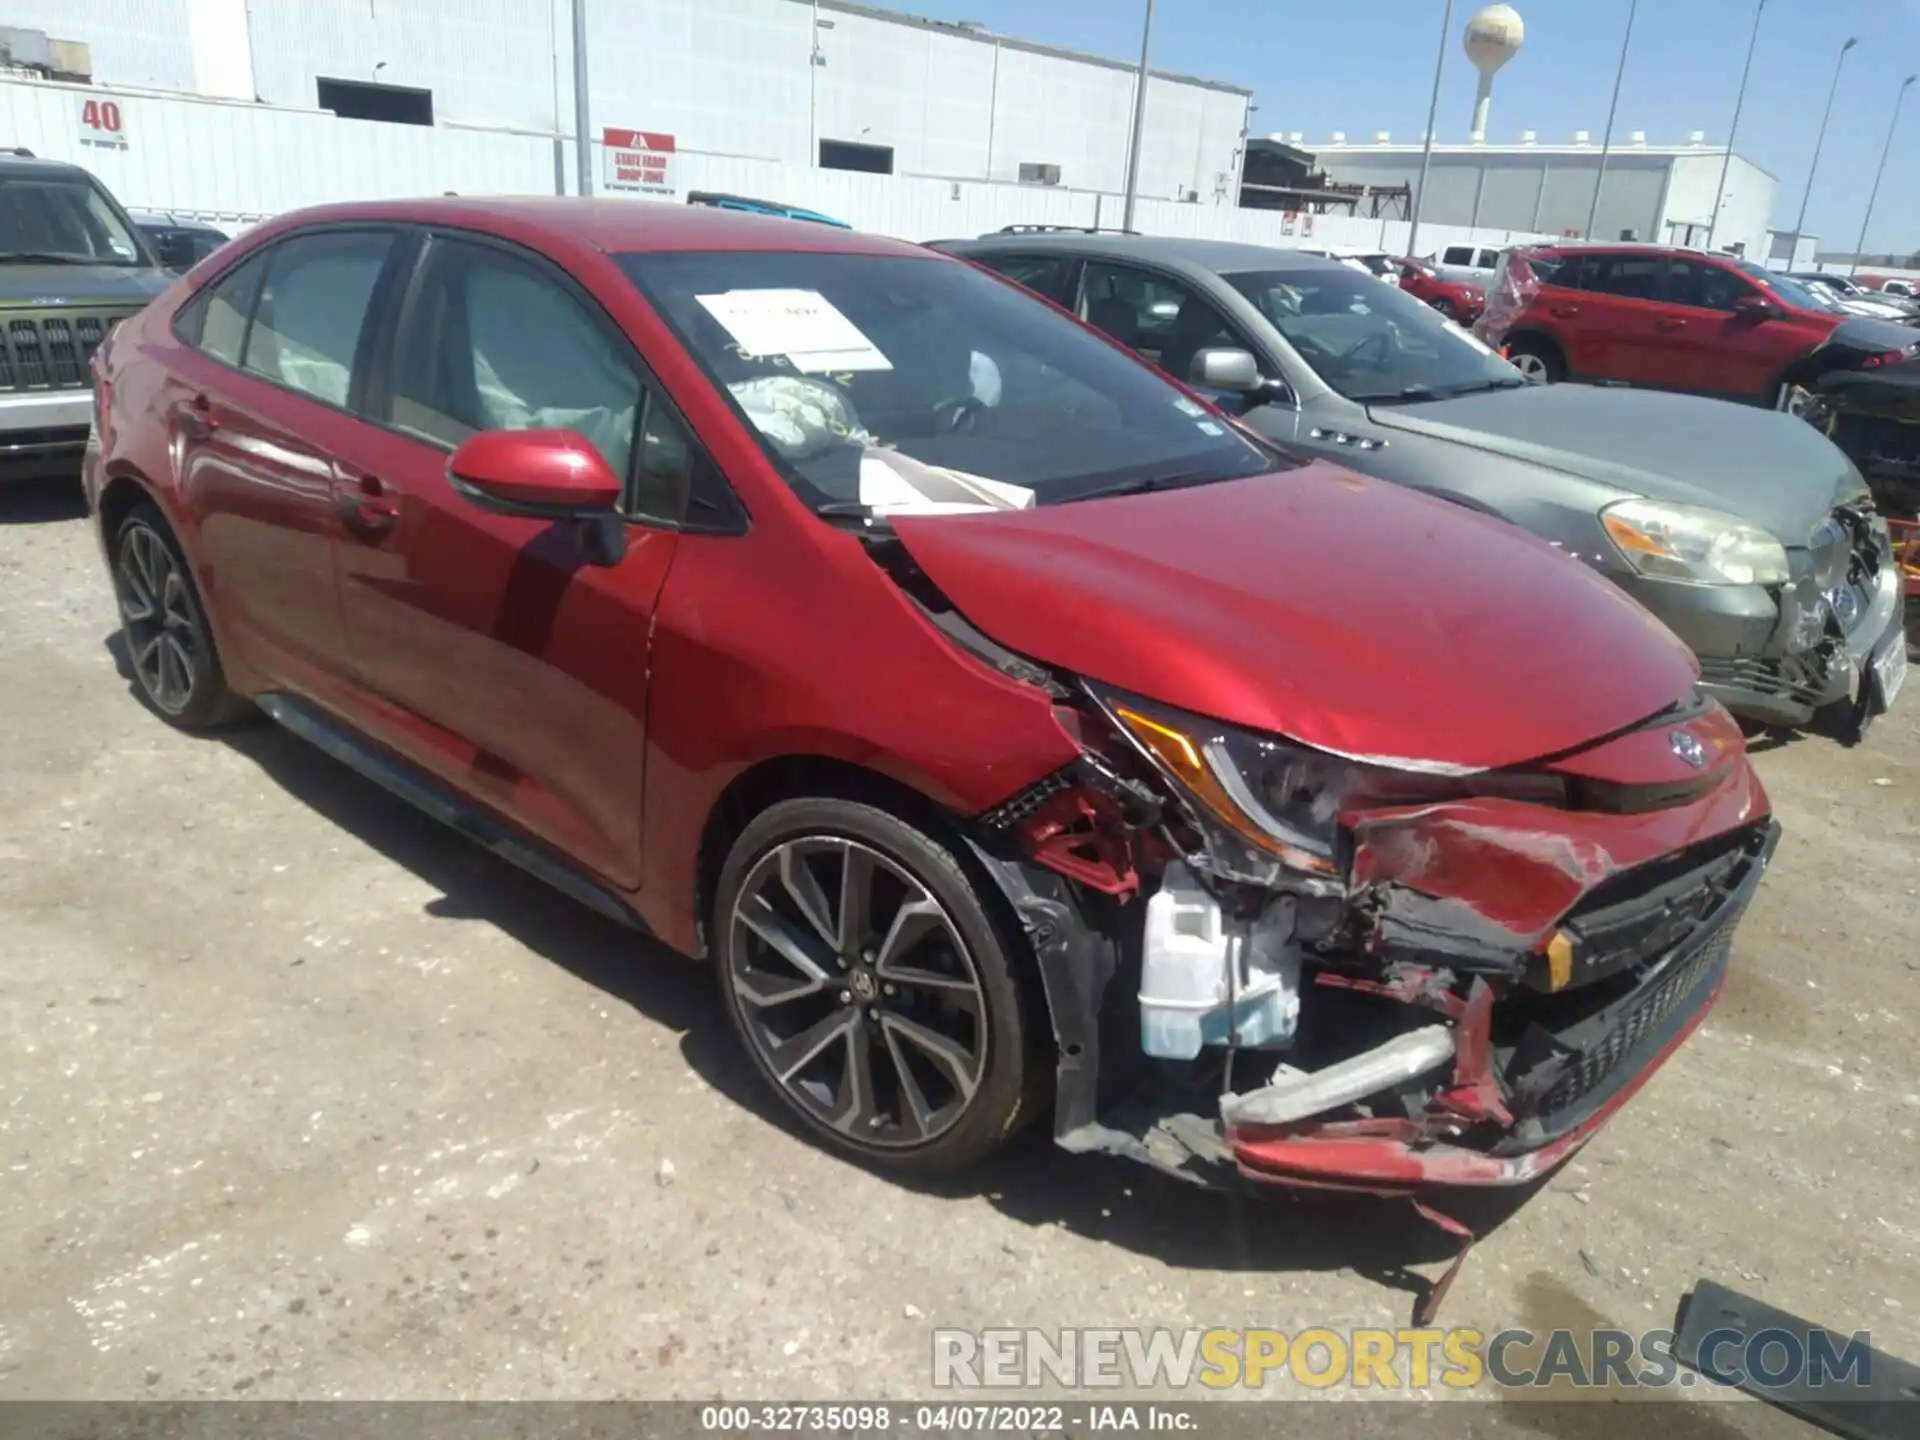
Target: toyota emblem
1688	747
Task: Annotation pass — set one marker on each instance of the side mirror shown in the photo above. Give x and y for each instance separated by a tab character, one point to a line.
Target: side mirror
1755	307
1220	368
544	475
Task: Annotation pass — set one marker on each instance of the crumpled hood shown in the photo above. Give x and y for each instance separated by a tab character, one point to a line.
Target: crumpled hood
1772	470
1346	612
79	286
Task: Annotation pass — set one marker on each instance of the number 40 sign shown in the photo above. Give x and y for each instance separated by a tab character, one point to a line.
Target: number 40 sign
102	125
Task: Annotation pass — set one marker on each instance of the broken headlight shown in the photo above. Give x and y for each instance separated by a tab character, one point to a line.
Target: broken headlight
1284	800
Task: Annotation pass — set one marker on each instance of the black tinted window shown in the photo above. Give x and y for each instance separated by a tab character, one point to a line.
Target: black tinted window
306	324
1048	275
495	342
1634	277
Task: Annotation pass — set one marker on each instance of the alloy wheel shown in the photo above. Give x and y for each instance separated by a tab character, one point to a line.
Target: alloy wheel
156	611
857	991
1529	365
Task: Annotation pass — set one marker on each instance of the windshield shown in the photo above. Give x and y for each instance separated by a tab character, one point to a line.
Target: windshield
911	383
60	218
1791	291
1371	341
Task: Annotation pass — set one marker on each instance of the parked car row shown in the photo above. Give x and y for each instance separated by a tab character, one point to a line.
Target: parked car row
1747	533
1020	713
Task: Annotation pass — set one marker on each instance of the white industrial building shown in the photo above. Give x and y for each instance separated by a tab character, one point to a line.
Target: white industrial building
1659	193
802	83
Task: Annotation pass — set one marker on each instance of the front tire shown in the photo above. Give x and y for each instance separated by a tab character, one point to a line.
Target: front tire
870	986
176	670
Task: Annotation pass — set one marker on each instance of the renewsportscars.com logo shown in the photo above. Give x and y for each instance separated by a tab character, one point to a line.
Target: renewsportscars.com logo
1408	1359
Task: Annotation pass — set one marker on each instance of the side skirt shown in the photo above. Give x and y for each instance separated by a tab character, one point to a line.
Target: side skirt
421	790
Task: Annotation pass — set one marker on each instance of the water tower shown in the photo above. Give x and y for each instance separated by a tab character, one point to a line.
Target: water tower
1493	38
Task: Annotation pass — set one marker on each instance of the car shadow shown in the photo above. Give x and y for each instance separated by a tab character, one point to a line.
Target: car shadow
1267	1232
42	501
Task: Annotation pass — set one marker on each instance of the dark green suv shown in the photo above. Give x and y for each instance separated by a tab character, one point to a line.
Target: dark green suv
72	266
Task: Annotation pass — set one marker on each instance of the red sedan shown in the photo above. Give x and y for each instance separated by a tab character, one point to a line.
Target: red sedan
1458	301
993	714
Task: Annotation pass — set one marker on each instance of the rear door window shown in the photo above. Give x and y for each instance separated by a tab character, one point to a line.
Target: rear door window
1458	255
1631	277
215	320
307	321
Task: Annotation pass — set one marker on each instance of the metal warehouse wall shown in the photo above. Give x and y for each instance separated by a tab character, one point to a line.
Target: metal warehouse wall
1745	209
726	77
1550	191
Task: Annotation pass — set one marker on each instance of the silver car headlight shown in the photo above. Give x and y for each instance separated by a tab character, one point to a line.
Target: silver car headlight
1694	544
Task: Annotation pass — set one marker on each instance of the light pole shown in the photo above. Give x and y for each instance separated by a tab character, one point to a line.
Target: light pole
1874	194
1426	149
1139	121
1726	161
1800	225
582	109
1606	140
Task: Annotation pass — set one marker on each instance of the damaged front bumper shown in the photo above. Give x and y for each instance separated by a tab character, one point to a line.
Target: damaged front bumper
1803	654
1504	976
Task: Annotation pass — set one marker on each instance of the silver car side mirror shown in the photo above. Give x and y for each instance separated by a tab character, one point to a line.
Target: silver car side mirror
1221	368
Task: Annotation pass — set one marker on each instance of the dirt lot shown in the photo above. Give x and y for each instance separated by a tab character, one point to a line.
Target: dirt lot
302	1097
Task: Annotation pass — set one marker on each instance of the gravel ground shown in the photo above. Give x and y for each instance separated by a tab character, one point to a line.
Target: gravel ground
302	1097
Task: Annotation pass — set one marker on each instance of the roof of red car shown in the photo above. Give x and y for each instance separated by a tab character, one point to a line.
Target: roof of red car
616	225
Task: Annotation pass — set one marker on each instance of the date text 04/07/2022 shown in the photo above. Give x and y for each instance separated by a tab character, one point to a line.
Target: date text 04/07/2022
945	1418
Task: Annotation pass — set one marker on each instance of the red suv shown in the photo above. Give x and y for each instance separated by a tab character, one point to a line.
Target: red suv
995	715
1675	319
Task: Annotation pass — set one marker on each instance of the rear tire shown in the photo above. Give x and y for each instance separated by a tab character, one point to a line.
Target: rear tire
1537	359
885	1013
176	670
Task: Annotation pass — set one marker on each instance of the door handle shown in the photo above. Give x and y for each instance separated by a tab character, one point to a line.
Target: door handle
197	420
364	502
1563	310
1670	324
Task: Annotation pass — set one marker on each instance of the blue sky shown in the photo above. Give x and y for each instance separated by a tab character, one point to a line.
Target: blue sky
1318	66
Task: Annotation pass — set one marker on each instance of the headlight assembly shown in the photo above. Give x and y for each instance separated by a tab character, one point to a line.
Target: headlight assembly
1690	543
1284	801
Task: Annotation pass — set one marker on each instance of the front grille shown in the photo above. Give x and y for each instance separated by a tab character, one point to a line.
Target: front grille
1564	1055
1638	916
52	351
1640	1016
1800	679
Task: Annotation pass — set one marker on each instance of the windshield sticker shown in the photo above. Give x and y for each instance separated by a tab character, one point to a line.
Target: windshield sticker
799	326
898	484
1207	427
1188	407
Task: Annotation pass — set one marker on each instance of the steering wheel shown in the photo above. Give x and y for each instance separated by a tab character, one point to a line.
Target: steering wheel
957	417
1379	340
